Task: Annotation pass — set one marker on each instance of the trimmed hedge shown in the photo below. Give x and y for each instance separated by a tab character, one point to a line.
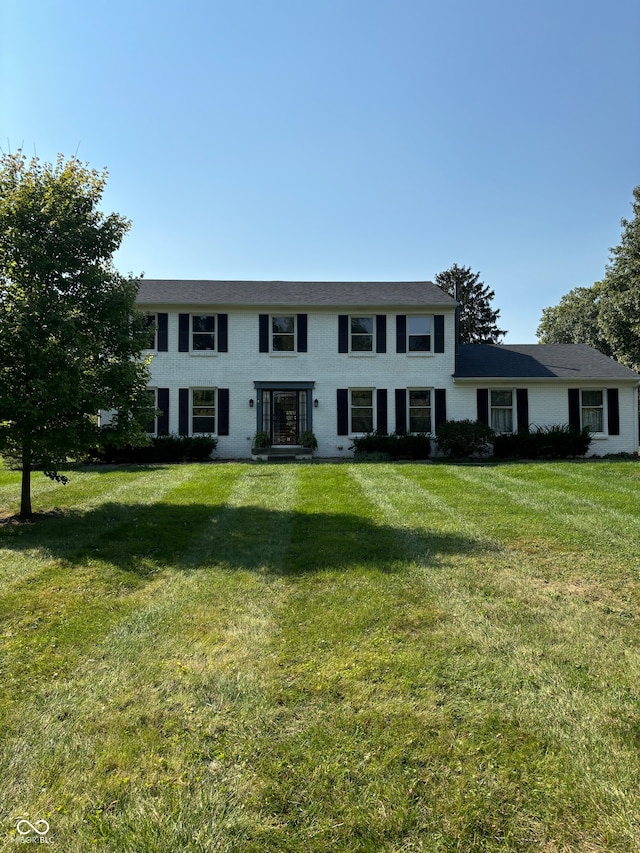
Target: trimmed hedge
377	445
461	439
559	441
166	448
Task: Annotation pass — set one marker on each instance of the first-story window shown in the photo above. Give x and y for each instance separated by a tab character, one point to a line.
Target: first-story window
152	396
203	410
501	411
203	329
361	334
592	410
419	400
419	334
362	410
283	331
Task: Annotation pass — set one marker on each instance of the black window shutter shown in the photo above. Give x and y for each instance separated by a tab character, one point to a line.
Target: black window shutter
183	332
381	410
574	407
401	411
438	333
302	332
522	409
163	331
440	403
343	411
183	411
613	411
223	332
163	417
263	332
482	398
401	333
223	411
381	333
343	335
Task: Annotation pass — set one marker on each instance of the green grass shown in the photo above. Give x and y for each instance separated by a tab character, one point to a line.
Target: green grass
352	657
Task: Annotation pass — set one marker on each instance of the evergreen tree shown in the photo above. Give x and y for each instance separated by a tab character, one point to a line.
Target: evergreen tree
477	319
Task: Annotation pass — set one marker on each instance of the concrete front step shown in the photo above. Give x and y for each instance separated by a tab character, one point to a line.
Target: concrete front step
290	453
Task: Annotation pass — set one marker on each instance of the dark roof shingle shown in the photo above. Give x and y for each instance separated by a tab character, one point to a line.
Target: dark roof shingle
293	293
537	361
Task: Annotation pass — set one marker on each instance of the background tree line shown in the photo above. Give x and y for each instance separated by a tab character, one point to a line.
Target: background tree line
607	314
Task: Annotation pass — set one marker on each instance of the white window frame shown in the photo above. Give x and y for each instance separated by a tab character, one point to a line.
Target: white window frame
414	352
152	319
502	408
193	333
371	334
154	432
273	334
601	408
353	391
193	407
429	391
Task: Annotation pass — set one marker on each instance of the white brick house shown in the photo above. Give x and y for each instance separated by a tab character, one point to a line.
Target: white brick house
234	358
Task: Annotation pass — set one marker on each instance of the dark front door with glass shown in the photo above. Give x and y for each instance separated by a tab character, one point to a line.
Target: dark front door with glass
284	414
285	417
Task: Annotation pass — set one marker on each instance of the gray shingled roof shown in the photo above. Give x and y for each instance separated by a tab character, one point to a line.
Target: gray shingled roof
293	293
538	361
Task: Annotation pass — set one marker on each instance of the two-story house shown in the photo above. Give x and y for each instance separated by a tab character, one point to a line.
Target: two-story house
233	358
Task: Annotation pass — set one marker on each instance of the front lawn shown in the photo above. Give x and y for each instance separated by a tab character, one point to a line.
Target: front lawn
323	657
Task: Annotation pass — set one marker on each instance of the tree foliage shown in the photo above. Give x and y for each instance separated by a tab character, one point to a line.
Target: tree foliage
606	315
70	337
477	319
620	311
575	320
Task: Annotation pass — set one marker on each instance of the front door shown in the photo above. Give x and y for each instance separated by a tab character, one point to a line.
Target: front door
285	417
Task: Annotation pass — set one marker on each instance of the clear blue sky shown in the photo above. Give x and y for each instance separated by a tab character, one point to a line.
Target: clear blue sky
343	139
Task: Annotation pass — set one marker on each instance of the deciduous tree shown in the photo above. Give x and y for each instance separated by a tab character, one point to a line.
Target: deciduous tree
606	315
70	337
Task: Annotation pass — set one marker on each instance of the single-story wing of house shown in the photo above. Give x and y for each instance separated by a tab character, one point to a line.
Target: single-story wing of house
237	358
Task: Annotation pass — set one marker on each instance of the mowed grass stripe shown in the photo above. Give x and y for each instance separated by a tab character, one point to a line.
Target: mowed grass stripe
506	620
210	631
96	567
576	521
309	660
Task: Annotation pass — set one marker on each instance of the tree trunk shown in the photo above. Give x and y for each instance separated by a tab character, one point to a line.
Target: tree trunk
25	497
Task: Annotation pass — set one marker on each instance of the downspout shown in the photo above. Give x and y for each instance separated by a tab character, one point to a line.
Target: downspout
456	327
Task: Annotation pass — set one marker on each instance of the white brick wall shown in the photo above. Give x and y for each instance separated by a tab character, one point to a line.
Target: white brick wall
329	370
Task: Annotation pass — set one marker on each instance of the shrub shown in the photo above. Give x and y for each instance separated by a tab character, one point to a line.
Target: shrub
165	448
461	439
261	439
308	439
378	445
558	441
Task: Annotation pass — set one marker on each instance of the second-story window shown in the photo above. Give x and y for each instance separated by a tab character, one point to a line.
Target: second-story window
150	323
418	334
203	329
362	334
283	333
